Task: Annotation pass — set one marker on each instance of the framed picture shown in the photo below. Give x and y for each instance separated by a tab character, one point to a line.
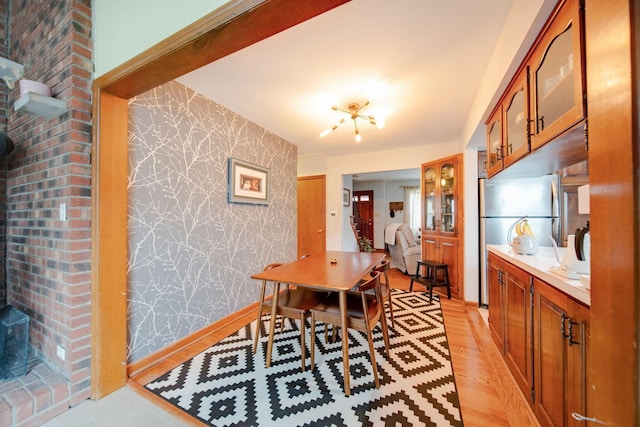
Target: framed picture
346	197
248	183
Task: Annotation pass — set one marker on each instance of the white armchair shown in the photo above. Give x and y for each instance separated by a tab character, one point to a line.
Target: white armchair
405	252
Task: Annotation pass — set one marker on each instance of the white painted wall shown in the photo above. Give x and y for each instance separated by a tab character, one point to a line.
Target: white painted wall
126	28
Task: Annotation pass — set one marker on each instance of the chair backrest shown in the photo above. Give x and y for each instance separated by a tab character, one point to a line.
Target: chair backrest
383	268
272	265
404	232
372	283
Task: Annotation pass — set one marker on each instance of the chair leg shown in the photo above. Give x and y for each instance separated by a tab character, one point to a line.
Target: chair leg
258	320
372	355
393	325
313	341
303	348
385	332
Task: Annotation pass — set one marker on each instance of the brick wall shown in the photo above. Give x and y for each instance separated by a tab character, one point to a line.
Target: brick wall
4	53
48	259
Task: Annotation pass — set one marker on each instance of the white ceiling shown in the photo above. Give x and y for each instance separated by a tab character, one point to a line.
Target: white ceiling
419	62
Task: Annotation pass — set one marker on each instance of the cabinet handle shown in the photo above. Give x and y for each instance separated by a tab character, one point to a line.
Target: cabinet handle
563	329
499	153
541	120
580	417
509	149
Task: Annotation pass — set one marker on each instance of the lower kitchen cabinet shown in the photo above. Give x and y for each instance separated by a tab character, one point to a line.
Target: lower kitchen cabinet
560	347
510	319
542	334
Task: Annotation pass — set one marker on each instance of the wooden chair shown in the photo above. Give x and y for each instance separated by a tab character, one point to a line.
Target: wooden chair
293	303
363	314
385	287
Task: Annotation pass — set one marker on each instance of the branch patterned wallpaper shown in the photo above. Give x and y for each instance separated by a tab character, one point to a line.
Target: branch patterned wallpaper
191	253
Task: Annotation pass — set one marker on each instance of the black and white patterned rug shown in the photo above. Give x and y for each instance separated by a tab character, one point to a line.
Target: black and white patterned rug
227	385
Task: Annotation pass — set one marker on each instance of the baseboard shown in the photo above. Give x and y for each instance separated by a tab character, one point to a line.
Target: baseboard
148	362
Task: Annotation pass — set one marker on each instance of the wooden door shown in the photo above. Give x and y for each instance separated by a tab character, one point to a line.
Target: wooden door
363	212
551	319
496	319
518	322
450	254
311	218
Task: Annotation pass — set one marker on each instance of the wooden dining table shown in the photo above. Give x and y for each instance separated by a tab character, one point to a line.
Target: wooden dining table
335	271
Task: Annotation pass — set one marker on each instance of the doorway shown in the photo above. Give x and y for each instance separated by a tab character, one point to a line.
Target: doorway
363	213
311	219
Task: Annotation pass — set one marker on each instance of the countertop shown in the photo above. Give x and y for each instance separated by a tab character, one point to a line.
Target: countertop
540	265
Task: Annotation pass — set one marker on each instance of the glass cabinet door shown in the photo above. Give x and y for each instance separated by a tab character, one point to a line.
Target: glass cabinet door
447	198
516	138
429	188
557	77
554	80
494	143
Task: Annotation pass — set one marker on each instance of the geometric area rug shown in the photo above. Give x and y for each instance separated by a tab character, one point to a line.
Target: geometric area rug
227	385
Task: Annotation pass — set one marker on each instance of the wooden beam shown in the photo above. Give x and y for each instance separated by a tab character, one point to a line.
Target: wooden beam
215	36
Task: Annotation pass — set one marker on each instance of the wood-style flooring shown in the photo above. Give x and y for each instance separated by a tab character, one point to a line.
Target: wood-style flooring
488	393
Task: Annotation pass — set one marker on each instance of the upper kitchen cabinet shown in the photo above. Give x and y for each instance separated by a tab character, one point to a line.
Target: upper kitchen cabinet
539	124
494	142
557	78
516	113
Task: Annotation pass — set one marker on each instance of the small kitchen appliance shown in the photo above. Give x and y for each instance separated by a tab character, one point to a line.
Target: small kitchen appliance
571	266
524	243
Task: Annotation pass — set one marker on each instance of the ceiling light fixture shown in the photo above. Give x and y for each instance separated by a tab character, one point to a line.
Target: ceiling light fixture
353	110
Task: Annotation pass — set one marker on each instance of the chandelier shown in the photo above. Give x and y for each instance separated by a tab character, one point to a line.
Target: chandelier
353	110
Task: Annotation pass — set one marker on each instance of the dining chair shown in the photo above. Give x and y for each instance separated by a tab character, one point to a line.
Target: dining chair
385	287
293	303
363	314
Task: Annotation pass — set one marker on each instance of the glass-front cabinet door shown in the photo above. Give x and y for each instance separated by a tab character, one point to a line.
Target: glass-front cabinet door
447	198
557	101
516	116
494	142
429	199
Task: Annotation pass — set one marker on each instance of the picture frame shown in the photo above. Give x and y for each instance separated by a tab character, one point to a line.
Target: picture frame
248	183
346	197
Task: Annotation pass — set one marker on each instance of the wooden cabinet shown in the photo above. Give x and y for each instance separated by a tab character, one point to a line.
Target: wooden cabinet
557	76
560	348
518	347
544	102
442	208
510	319
542	334
495	283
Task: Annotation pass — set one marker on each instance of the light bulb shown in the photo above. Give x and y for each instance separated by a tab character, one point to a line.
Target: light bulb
325	133
358	137
380	123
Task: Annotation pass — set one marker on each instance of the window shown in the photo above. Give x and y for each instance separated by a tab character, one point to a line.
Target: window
412	208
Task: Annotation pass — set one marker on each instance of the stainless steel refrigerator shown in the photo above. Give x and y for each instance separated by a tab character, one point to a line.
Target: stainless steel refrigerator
503	202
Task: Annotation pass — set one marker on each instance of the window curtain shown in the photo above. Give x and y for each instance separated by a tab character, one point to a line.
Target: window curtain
412	207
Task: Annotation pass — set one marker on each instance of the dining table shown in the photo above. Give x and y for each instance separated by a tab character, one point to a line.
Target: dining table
333	271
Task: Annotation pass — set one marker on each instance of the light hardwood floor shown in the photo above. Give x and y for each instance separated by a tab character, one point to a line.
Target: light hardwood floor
488	393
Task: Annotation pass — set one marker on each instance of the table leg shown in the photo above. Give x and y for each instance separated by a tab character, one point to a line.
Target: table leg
345	341
272	323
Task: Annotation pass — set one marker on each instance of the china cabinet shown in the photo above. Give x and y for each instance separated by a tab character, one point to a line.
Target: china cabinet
442	217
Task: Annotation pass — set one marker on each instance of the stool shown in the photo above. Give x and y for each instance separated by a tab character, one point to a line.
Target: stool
432	280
